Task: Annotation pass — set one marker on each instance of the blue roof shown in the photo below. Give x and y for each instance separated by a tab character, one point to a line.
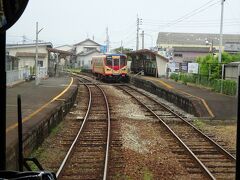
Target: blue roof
110	54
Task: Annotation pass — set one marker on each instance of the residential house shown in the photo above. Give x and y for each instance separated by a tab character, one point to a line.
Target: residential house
181	48
181	56
26	53
84	52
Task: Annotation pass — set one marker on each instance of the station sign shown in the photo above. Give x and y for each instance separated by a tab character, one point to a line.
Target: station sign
193	68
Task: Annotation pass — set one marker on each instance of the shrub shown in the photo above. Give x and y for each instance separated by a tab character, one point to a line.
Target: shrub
174	76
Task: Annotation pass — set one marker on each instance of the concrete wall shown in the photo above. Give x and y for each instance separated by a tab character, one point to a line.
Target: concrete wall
231	73
161	66
189	104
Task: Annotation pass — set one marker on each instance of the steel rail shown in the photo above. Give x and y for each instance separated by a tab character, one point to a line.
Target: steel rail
85	118
78	134
202	166
108	135
230	156
108	130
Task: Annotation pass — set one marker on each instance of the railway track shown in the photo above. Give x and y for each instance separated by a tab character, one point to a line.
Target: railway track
87	157
196	151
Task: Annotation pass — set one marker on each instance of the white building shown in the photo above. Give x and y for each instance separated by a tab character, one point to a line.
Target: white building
27	53
84	52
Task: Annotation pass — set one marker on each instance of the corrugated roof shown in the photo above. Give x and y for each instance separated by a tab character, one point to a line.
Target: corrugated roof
27	54
48	44
59	51
194	38
233	64
147	51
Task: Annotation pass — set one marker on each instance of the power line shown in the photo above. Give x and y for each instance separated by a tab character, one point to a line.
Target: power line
194	12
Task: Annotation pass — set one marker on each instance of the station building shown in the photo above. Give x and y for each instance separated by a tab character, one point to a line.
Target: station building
149	62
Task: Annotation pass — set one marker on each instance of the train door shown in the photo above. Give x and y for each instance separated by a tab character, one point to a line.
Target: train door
116	64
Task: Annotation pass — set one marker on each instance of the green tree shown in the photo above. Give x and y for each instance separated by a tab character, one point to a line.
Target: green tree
124	50
210	63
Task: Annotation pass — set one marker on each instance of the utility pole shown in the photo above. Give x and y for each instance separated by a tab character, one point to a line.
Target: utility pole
142	39
107	39
212	49
220	43
139	22
220	38
36	58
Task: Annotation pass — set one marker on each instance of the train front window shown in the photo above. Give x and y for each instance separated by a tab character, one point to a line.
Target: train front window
115	62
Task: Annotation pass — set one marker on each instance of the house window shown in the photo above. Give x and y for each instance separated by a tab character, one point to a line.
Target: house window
177	55
40	63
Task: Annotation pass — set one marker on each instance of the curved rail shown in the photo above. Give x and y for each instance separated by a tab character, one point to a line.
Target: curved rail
76	138
80	130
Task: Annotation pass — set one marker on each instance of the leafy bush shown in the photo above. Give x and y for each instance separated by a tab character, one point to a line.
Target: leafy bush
229	86
174	76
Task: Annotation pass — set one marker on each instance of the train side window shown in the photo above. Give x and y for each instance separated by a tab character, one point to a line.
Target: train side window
122	61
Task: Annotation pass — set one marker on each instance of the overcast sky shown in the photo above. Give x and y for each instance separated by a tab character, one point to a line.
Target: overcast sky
72	21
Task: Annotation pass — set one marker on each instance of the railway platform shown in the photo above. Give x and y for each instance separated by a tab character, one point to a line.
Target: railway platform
42	105
218	106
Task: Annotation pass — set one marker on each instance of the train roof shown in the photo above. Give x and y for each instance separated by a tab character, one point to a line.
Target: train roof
114	54
110	54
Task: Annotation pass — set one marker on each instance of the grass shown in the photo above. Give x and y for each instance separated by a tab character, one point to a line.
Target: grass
199	124
41	154
147	175
74	70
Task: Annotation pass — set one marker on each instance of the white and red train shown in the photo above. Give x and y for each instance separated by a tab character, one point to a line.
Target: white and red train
110	67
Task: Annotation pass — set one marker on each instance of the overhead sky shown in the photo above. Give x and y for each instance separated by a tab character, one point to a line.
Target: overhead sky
72	21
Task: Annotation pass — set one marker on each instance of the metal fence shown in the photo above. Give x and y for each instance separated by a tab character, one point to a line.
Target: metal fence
17	75
42	73
24	73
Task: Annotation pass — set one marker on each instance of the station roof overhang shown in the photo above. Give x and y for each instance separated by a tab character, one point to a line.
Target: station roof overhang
67	53
146	52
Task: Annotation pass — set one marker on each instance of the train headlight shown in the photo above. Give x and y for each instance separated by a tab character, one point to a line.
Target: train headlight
124	69
108	69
